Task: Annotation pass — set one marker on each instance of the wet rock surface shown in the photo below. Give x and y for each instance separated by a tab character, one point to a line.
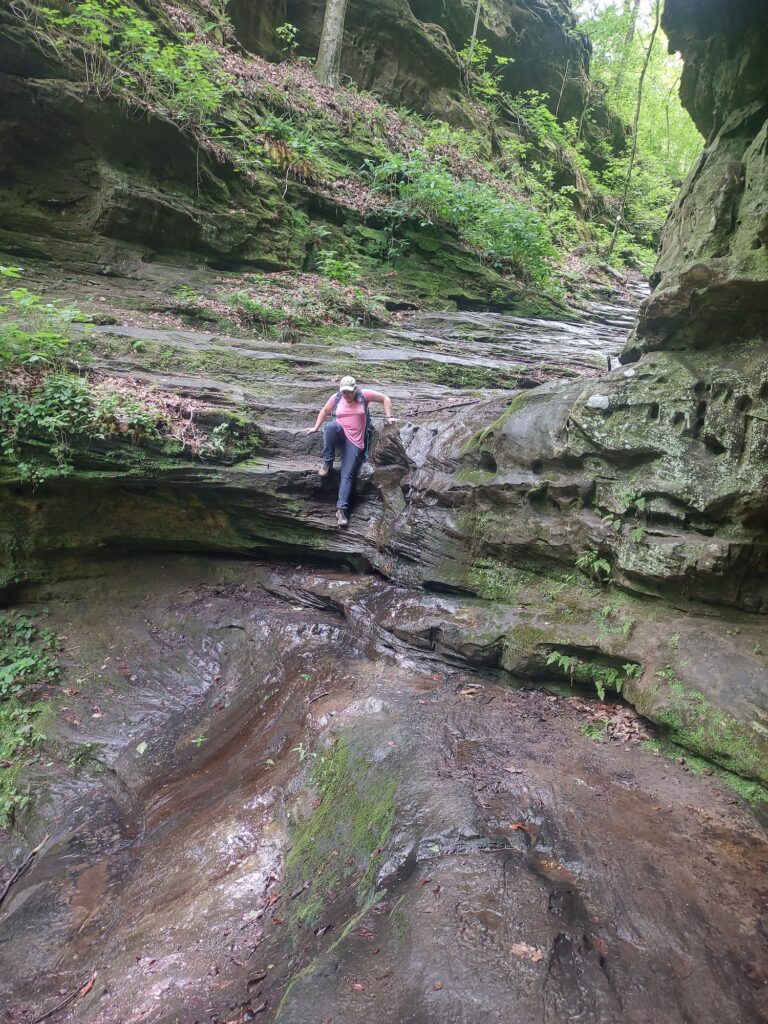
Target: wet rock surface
495	861
467	493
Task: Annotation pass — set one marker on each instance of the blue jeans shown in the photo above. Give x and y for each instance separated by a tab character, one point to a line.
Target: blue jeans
351	457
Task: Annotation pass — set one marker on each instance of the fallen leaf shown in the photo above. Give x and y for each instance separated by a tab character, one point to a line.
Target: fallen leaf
69	691
357	987
319	932
513	771
436	890
437	986
526	952
362	932
87	986
260	1008
277	920
257	978
141	747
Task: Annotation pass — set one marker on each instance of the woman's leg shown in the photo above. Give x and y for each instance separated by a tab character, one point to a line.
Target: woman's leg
350	463
333	438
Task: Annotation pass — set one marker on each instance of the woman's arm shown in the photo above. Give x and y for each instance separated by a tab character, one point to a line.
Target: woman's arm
385	400
322	416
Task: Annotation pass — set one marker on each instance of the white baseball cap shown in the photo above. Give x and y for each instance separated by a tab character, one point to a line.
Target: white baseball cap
347	384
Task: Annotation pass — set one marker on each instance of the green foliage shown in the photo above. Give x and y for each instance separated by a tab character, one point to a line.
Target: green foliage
596	730
508	232
283	311
483	68
28	661
604	677
32	330
597	566
124	53
61	408
668	141
290	147
337	267
288	35
186	294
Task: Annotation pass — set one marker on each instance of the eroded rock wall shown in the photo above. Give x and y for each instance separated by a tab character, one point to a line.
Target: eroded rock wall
100	186
711	280
669	453
405	50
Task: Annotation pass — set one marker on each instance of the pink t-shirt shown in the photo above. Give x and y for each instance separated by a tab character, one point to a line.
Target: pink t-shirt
351	417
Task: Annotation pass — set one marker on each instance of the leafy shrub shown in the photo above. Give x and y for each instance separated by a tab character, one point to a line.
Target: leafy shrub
288	35
483	68
184	80
337	267
32	330
289	147
504	229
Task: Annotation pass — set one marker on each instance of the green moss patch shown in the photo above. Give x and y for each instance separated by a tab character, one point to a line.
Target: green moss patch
693	722
28	662
341	843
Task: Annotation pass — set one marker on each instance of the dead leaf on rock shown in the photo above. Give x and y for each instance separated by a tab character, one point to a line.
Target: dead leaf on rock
358	986
526	952
362	932
87	986
437	986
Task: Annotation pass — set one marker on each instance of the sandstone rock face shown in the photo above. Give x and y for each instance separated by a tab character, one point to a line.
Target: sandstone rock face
712	275
285	808
405	50
671	450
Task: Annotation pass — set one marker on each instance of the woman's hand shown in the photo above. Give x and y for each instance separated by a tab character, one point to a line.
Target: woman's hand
392	419
310	430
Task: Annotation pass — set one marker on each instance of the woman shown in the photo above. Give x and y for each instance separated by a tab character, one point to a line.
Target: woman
347	431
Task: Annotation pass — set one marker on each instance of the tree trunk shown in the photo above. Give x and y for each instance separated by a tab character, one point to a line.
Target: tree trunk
473	38
632	13
329	54
633	154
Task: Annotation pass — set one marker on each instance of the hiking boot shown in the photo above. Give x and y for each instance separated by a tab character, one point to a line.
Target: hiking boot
341	517
325	468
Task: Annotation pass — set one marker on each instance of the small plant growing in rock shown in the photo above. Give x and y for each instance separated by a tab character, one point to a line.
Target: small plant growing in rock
483	68
288	35
604	677
337	267
597	566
